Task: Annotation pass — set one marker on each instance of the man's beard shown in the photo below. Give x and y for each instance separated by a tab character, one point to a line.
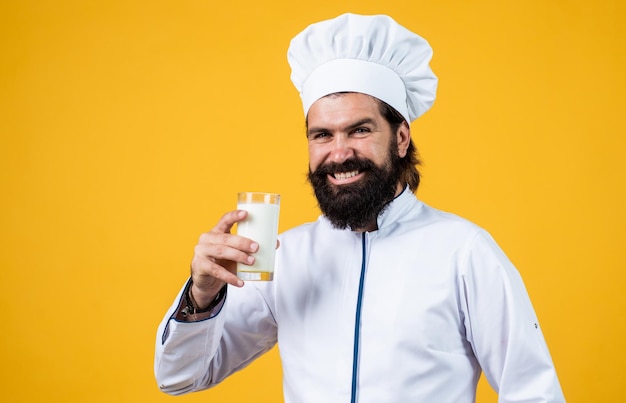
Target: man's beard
356	205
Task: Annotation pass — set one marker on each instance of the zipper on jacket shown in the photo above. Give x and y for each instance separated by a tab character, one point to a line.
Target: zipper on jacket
357	321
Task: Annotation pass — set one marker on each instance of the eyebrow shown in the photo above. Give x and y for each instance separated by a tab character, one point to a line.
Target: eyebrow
351	126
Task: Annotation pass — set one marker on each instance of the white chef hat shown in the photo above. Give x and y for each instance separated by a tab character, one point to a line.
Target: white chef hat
373	55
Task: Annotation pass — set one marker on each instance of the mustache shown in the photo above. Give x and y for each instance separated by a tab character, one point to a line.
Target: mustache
352	164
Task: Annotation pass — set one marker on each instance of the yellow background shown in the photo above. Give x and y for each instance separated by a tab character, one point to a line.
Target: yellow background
127	127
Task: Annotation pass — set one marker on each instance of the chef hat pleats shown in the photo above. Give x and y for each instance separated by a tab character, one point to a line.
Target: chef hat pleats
373	55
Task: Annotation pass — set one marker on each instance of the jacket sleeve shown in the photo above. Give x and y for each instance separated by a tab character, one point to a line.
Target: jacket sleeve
192	356
502	327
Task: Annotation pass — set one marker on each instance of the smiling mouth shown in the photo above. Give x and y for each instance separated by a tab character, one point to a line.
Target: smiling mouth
345	175
345	178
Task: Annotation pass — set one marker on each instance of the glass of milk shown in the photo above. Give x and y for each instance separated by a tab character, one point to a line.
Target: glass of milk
261	226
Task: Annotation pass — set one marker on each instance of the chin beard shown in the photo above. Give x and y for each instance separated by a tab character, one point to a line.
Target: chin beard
356	205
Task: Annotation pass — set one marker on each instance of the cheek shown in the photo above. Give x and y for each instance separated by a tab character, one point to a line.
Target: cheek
379	154
314	158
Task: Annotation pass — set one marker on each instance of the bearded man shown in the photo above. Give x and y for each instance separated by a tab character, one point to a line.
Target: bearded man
383	298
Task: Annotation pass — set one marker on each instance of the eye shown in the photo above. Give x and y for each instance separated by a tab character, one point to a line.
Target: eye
319	136
361	130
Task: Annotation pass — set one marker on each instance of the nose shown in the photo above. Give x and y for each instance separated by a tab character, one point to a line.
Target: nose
341	150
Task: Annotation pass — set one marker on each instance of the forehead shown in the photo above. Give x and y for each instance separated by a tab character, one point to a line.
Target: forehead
343	108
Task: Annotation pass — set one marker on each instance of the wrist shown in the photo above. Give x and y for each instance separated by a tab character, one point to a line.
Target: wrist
192	309
201	299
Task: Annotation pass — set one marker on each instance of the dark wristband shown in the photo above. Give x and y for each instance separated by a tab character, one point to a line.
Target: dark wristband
191	308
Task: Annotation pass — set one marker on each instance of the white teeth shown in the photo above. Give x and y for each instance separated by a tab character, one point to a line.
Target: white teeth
345	175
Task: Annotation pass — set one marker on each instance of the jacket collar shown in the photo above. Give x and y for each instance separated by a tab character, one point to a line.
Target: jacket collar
396	209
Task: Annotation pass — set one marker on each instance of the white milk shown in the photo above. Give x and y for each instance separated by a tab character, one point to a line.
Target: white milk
261	226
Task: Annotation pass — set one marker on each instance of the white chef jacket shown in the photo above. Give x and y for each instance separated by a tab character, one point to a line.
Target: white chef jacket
410	312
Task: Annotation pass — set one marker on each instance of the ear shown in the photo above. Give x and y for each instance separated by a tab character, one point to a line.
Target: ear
403	135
